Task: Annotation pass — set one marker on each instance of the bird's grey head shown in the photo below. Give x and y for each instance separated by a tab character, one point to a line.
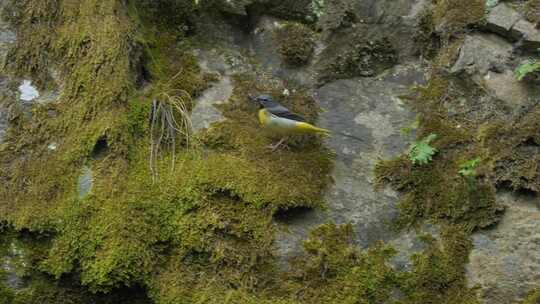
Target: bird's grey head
264	100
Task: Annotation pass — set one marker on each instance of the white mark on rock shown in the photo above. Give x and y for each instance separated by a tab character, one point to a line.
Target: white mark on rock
28	91
52	146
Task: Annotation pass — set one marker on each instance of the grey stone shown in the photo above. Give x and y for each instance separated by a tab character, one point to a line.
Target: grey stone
502	18
528	34
205	113
480	53
508	23
507	88
86	181
505	261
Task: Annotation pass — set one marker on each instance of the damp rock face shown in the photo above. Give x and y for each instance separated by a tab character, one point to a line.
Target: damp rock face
364	110
505	260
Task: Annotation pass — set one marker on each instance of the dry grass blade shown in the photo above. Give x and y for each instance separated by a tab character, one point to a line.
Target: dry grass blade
170	125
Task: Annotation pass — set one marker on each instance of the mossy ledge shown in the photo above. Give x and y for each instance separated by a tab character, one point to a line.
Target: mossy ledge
209	220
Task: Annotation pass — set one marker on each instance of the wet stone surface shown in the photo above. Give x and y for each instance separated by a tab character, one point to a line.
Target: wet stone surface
505	261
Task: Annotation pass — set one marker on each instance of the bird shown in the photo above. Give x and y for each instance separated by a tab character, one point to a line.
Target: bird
278	120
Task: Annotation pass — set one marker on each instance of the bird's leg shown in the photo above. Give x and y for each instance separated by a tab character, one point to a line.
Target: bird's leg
279	144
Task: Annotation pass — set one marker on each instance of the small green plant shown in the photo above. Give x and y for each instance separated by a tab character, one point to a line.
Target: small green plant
421	152
468	169
526	69
318	8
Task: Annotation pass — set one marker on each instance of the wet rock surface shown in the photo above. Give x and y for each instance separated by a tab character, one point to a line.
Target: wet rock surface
205	113
505	261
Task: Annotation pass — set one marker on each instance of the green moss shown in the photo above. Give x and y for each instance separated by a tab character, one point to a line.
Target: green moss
426	37
334	270
437	191
296	43
360	57
511	151
450	16
533	297
438	274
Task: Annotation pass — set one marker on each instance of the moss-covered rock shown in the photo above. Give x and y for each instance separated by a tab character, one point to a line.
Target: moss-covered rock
360	58
437	190
296	43
218	201
438	274
453	16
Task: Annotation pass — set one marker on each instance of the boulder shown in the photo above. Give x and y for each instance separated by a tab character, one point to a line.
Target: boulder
502	18
508	23
528	34
481	53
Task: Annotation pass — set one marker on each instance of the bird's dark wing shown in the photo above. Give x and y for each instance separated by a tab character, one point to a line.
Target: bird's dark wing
280	111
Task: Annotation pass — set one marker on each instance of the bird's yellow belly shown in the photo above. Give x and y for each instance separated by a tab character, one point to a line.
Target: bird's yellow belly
277	125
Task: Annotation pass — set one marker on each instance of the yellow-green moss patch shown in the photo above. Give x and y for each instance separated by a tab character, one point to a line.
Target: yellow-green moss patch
296	43
450	16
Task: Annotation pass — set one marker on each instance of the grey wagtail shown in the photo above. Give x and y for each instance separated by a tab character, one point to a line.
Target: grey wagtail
280	121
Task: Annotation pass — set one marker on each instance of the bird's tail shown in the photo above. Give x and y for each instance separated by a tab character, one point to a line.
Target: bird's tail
308	128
